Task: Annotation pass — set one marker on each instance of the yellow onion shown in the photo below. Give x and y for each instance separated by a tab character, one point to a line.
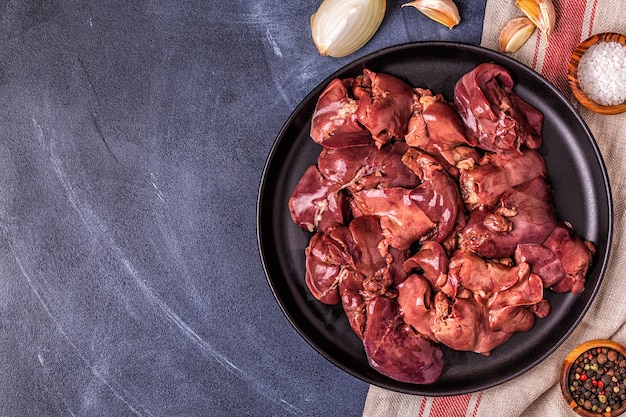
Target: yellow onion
341	27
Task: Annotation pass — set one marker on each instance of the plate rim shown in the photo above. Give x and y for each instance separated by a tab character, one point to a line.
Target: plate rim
487	54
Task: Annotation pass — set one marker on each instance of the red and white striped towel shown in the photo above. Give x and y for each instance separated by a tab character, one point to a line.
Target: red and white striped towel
537	392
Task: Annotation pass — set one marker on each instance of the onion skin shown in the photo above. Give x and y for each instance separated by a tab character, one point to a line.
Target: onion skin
342	27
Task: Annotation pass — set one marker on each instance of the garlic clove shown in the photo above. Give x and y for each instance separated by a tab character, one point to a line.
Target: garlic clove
540	12
441	11
341	27
515	33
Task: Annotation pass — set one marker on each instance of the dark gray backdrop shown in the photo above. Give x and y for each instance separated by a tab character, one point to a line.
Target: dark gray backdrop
133	137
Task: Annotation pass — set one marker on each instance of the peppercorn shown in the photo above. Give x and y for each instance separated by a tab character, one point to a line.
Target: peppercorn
595	380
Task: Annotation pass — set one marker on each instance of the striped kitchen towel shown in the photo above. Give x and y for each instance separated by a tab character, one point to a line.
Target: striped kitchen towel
537	392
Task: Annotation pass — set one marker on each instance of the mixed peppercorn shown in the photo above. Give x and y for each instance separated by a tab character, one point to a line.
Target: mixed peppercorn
597	380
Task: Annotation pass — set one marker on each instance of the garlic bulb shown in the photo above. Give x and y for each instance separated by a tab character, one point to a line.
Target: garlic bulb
441	11
341	27
541	12
515	33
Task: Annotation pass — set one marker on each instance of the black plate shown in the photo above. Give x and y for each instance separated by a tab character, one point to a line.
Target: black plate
582	195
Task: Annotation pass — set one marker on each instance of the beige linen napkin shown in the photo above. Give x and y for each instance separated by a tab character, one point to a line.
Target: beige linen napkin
537	392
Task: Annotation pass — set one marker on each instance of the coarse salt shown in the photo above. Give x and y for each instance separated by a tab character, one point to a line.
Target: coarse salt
602	73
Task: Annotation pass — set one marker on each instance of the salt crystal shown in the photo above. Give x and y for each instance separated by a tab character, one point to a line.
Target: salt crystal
602	73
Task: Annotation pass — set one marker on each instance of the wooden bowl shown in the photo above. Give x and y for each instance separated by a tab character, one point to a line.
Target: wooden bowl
572	73
570	361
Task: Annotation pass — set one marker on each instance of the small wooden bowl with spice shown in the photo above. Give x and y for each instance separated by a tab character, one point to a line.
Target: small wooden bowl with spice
596	73
593	378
